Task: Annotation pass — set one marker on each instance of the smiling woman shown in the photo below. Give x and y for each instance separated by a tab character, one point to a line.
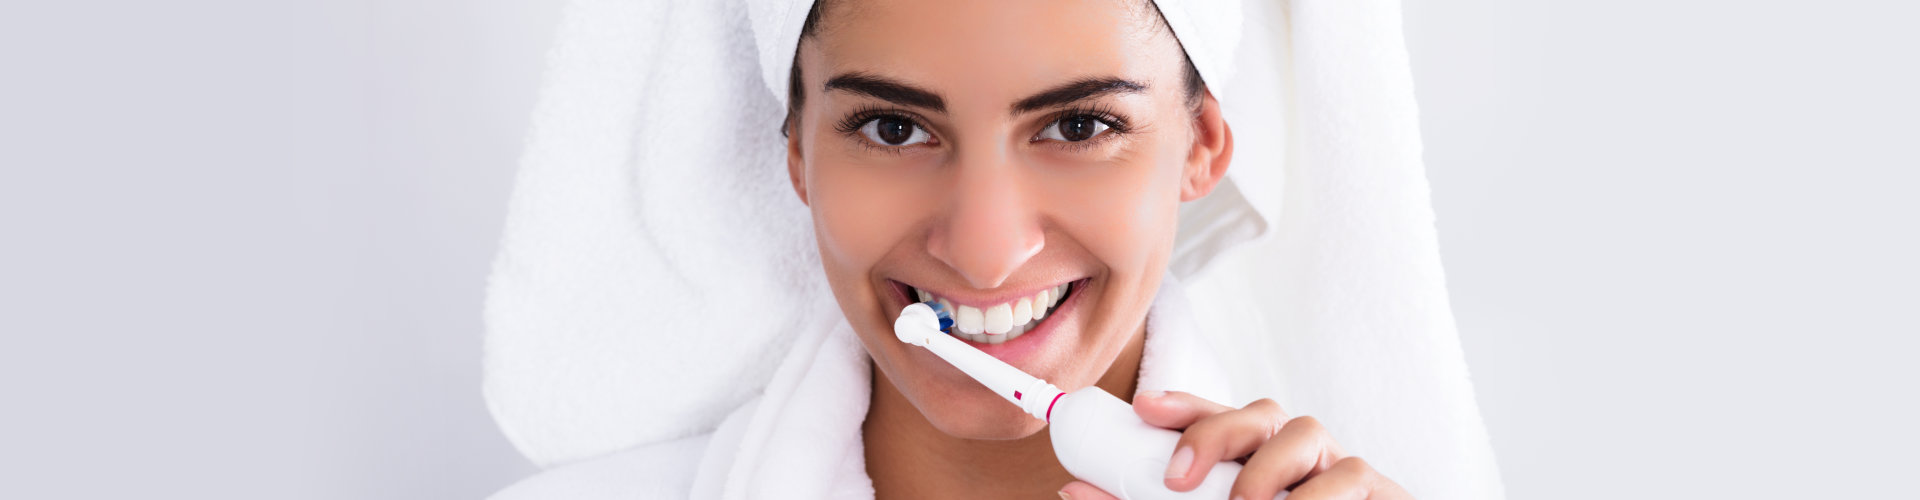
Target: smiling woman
1052	159
1049	172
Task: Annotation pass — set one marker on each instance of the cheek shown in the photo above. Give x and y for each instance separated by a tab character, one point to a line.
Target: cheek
862	210
1124	211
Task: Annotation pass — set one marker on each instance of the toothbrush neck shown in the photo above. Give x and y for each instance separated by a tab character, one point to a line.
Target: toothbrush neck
904	449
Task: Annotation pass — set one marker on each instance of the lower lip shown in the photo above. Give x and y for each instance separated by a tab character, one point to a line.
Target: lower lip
1018	350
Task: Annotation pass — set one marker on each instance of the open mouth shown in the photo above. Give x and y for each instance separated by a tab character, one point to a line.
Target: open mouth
1000	322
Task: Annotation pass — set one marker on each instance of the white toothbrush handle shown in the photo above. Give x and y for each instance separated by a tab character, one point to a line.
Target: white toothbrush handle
1099	439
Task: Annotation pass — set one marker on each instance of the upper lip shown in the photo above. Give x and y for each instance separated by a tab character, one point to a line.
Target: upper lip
983	299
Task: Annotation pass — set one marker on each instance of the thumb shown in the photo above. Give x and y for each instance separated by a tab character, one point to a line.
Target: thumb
1080	490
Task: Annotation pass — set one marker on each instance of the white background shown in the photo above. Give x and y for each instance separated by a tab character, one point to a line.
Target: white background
1681	240
243	243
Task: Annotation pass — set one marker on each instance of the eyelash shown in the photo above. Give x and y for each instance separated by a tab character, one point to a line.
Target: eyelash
850	126
861	116
1116	124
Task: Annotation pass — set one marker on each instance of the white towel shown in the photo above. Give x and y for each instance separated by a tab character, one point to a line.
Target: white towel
656	264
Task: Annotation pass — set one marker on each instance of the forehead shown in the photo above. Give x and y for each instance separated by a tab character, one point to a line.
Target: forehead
996	48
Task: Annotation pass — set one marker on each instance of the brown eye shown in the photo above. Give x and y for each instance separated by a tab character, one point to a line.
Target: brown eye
893	131
1074	128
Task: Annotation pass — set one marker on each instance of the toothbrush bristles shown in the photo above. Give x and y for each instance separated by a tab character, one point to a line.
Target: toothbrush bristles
946	320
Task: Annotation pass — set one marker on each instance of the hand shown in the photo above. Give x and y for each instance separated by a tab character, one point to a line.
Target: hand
1280	453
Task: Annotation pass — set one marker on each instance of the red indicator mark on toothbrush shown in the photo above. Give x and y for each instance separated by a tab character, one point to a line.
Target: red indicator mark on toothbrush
1016	394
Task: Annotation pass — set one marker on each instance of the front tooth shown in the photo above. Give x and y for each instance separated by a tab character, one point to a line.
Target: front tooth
999	319
948	307
967	319
924	296
1023	311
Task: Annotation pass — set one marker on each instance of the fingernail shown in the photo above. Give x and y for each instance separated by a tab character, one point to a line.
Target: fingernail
1182	460
1064	495
1150	395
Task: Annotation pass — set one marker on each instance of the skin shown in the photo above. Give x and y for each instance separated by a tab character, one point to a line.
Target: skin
989	206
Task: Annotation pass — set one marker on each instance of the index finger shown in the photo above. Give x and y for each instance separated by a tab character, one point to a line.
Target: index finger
1174	409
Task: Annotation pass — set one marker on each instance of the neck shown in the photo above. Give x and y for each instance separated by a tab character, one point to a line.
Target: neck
908	457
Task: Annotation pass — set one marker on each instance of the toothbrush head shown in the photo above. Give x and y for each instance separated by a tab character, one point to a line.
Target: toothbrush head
918	323
946	318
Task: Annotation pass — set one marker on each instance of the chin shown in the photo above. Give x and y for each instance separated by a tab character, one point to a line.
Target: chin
994	420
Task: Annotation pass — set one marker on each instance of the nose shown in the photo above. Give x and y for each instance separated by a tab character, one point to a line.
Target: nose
992	228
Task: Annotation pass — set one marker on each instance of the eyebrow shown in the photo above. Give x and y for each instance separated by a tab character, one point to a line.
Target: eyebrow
887	90
1078	90
906	94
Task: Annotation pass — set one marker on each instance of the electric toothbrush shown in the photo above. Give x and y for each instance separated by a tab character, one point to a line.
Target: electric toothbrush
1096	436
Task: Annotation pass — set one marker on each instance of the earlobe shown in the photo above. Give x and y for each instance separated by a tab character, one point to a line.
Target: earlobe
796	164
1211	154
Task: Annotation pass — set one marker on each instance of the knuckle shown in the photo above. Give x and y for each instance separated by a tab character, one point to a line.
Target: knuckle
1203	429
1307	423
1270	416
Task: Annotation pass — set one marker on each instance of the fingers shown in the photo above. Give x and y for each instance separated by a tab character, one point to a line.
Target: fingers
1301	450
1349	478
1080	490
1296	452
1223	436
1174	409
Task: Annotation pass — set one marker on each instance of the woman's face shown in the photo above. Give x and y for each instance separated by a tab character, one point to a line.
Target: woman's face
993	154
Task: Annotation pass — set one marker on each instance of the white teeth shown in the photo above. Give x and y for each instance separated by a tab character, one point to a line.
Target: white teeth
1041	302
999	319
967	319
1001	322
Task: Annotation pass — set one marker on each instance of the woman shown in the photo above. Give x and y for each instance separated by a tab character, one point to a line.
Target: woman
1050	154
1025	162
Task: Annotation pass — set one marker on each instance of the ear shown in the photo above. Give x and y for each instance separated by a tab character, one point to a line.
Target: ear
796	164
1211	152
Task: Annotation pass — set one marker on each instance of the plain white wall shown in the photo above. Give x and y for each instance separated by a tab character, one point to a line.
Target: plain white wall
1680	238
245	242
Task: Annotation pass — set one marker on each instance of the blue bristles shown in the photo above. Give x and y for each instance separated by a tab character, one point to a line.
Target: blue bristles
946	320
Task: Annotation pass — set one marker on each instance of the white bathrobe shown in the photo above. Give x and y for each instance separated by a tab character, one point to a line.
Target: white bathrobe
801	438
